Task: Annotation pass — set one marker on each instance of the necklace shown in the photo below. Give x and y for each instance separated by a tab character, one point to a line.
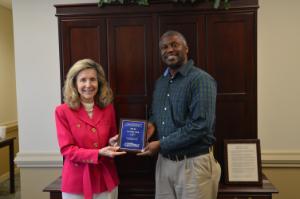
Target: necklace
89	107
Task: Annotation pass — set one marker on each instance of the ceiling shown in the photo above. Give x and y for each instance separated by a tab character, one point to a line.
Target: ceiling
6	3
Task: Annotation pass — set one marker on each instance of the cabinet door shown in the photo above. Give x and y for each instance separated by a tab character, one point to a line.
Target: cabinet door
231	60
130	75
82	38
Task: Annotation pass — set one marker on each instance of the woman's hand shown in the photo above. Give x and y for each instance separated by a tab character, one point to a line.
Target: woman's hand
111	151
113	141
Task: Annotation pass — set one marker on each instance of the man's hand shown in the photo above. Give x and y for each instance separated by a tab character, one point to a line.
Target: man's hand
151	149
111	151
150	130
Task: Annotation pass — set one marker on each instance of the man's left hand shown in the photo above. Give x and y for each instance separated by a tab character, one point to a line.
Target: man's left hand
151	149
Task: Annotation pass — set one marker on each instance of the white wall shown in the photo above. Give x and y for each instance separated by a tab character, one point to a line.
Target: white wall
37	72
38	92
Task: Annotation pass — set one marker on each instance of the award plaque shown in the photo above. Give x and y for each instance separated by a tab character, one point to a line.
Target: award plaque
132	135
243	162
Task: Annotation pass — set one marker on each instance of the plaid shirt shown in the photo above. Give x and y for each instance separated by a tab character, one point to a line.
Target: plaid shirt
183	110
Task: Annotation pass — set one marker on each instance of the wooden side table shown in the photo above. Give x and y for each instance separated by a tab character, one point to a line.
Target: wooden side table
265	191
10	143
54	189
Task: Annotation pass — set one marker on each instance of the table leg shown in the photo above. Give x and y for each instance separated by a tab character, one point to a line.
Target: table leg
11	167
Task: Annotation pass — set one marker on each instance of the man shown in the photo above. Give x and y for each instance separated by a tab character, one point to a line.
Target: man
183	114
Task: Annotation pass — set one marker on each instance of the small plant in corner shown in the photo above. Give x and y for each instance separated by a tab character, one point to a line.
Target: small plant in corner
216	3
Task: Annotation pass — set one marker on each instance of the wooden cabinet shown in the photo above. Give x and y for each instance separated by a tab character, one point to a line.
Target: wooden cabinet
124	40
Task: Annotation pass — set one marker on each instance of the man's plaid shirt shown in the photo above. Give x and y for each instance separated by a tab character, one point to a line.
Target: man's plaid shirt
183	110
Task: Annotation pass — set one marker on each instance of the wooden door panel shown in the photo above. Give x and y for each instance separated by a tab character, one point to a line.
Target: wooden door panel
130	76
230	113
82	39
84	43
231	60
130	68
230	52
131	110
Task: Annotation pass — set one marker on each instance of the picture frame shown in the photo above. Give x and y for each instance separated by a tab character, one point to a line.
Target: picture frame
242	159
132	135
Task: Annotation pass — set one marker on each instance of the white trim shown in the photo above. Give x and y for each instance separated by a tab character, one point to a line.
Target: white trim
54	159
34	159
280	158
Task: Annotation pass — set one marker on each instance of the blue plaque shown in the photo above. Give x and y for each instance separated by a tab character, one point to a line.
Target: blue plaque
132	135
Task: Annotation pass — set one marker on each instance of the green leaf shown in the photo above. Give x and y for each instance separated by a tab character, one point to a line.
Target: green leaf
226	4
217	4
143	2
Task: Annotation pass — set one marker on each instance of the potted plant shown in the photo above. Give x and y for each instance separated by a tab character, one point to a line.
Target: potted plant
216	3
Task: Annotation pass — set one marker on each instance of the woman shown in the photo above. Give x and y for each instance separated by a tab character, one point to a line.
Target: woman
87	134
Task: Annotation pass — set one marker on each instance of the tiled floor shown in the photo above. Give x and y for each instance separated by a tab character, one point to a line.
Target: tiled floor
4	189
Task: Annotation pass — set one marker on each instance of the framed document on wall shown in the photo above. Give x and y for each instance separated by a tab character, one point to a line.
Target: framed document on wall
242	162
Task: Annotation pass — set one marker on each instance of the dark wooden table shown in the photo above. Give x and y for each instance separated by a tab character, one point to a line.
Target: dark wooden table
54	189
265	191
10	143
225	191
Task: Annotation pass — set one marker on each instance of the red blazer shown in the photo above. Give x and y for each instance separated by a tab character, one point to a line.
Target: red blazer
80	139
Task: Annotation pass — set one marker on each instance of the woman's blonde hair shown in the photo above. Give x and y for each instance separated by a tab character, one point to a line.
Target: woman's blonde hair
71	96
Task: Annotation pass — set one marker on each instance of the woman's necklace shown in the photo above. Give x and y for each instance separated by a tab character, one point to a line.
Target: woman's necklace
89	107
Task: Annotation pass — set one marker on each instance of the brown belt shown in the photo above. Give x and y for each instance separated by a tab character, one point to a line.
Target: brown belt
182	157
